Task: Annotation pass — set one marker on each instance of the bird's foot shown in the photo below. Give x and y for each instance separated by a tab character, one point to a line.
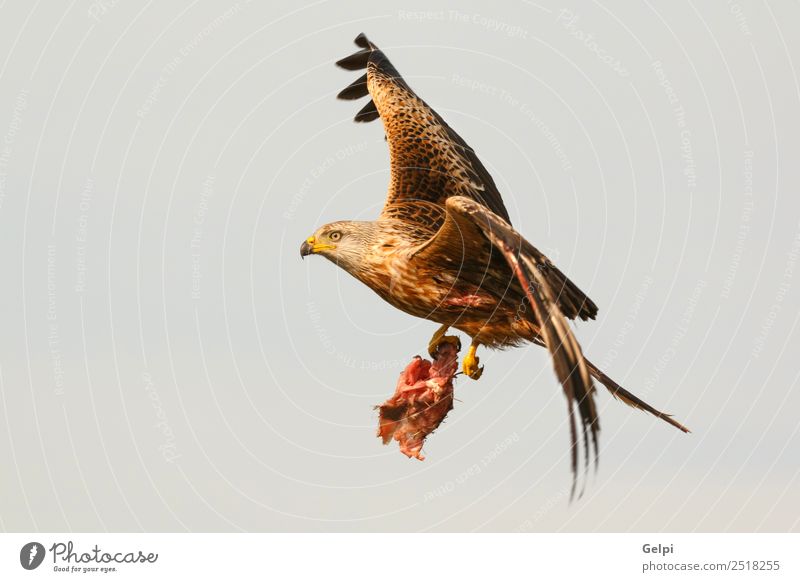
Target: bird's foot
440	338
470	365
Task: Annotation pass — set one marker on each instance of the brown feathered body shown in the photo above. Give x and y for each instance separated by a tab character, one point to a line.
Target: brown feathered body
477	294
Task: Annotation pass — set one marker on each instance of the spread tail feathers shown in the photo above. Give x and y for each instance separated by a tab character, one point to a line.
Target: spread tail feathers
630	399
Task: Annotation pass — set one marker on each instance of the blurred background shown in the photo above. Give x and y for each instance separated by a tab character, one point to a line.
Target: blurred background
168	363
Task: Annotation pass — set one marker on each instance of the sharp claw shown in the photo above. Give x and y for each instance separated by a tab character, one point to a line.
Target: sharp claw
433	347
471	367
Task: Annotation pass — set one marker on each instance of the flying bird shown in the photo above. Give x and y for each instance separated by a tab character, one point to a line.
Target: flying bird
443	249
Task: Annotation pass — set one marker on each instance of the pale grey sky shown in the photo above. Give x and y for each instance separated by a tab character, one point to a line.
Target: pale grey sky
169	363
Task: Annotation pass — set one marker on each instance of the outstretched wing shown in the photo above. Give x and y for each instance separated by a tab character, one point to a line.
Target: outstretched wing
429	161
467	226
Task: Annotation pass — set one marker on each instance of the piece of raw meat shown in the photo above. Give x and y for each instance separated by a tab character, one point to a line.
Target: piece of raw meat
421	401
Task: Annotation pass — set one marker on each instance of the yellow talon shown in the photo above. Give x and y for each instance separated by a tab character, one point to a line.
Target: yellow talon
439	338
471	361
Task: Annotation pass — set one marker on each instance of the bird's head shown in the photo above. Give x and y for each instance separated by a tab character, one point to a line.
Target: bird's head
345	243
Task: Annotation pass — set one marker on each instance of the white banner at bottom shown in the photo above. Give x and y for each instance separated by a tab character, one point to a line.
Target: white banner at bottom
401	557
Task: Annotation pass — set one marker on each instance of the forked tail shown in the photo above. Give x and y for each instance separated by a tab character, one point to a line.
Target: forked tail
630	399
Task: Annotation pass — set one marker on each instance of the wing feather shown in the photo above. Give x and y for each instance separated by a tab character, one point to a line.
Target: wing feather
429	160
355	90
470	220
466	225
367	113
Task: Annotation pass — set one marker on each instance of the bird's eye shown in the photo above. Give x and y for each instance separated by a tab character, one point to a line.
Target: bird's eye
335	235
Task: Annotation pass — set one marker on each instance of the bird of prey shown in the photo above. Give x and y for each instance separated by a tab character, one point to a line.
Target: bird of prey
443	249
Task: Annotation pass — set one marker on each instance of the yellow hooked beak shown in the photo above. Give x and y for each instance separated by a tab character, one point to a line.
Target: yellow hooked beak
310	246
